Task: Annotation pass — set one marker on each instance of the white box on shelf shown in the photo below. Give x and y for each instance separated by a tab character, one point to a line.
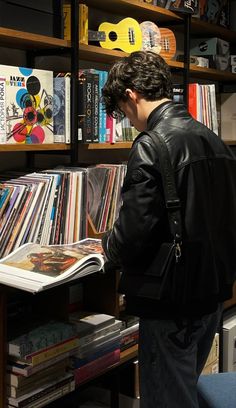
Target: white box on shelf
228	115
229	344
232	59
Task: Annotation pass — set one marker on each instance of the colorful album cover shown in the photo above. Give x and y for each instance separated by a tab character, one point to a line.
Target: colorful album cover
29	95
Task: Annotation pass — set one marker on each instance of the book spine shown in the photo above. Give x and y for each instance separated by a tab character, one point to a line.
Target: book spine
89	108
33	398
67	21
95	367
51	352
97	334
52	396
82	106
19	381
102	113
3	130
28	370
83	24
95	110
129	340
67	110
79	362
192	100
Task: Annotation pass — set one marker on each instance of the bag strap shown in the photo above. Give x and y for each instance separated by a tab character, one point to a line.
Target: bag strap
172	200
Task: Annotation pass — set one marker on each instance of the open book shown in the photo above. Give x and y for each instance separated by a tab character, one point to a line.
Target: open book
33	267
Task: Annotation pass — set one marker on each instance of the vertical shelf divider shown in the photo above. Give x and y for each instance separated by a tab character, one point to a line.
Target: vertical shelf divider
74	80
3	342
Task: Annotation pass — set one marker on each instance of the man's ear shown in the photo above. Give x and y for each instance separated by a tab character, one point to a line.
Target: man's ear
132	94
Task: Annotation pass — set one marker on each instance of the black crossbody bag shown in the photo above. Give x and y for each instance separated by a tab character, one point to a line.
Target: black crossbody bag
165	278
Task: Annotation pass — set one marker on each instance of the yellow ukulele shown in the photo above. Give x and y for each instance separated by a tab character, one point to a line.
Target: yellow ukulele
125	35
159	40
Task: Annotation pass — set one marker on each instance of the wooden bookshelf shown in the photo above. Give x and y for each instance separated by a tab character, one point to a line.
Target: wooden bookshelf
212	74
34	147
202	28
137	8
105	146
3	353
19	39
230	142
105	298
95	53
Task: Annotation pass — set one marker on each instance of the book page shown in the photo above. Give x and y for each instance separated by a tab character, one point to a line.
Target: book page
52	262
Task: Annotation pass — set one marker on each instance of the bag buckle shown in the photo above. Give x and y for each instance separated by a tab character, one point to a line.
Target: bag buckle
173	204
177	251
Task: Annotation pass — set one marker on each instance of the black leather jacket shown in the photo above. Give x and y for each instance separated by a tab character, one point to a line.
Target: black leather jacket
205	174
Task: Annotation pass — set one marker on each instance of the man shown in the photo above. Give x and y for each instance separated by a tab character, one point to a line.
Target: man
175	338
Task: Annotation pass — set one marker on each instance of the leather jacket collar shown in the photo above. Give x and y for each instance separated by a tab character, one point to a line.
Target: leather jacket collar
157	114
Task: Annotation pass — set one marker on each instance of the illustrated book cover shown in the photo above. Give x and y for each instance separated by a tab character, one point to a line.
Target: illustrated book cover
33	267
29	105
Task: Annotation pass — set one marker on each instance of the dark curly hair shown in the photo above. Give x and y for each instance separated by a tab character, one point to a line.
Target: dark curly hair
142	71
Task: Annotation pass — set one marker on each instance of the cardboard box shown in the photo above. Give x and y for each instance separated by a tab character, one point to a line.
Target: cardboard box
127	402
229	329
211	368
31	16
228	116
220	62
214	352
202	62
232	59
209	46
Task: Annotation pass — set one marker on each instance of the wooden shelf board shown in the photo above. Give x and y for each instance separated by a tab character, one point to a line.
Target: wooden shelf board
105	146
137	8
18	39
231	302
33	147
230	142
202	28
211	74
98	54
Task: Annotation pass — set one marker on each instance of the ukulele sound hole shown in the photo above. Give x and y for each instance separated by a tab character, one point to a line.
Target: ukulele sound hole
112	36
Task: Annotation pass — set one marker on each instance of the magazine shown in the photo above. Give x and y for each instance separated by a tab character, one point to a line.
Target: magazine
33	267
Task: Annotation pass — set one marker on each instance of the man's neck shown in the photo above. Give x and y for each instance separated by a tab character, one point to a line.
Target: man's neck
149	106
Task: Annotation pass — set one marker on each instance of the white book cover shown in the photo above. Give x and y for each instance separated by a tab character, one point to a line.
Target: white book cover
213	108
29	105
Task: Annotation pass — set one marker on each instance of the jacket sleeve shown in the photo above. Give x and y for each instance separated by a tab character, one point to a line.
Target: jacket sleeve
141	214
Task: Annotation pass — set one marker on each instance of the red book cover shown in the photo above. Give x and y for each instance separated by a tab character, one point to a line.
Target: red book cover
95	367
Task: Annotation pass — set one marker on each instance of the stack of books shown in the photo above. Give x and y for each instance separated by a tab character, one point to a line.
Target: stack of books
37	364
99	344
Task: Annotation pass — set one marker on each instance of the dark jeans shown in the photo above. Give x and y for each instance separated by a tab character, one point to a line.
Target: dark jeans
172	355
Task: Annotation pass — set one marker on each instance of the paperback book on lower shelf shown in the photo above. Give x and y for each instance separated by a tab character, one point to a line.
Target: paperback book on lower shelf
33	267
44	394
